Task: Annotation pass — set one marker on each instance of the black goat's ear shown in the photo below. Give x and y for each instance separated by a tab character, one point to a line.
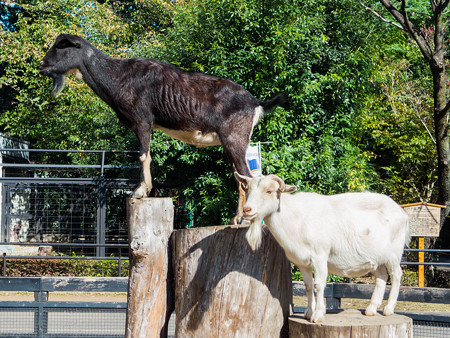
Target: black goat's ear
67	43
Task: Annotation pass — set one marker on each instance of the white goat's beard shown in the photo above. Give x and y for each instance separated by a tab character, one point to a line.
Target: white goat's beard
254	234
59	81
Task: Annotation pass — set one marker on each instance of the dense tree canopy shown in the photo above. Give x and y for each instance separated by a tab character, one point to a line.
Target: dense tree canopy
351	124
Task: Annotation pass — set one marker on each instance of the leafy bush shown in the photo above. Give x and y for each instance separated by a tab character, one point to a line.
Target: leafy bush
65	267
409	277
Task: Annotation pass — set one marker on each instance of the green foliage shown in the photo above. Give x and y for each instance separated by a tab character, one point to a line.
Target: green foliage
347	127
297	276
398	127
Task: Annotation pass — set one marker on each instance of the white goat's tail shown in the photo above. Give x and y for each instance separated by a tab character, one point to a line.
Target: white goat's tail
254	235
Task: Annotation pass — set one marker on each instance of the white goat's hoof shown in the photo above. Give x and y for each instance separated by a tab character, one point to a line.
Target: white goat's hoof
388	311
371	311
317	317
308	314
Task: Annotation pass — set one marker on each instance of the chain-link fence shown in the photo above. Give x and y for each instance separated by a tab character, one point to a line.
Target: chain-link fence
66	211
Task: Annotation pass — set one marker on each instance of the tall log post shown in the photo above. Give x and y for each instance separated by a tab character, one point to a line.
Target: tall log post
150	302
224	289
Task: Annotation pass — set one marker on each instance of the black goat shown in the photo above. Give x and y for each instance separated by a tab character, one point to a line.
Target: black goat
146	94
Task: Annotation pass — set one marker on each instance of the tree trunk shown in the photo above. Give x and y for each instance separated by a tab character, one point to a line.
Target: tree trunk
441	124
223	289
150	302
441	132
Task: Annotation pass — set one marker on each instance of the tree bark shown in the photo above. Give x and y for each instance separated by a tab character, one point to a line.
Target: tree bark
150	301
223	289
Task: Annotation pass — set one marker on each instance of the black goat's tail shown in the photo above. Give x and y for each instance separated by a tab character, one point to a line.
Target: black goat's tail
279	100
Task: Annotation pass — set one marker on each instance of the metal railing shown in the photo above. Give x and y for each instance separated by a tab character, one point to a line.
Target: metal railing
436	263
102	166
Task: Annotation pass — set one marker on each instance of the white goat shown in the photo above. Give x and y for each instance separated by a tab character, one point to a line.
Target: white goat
349	234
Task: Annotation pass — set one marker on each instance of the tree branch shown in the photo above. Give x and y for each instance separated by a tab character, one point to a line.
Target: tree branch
444	4
402	18
433	5
380	16
446	108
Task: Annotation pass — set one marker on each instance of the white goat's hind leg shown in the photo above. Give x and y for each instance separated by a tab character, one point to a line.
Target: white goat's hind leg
320	281
395	271
309	285
378	293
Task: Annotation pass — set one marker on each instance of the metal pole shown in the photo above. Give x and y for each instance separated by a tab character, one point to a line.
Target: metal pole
103	163
101	217
120	262
4	264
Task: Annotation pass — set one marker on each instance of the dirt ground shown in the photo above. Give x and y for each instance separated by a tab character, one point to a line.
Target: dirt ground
122	297
347	303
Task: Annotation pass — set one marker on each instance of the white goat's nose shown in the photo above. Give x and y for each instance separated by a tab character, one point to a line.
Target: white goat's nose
247	210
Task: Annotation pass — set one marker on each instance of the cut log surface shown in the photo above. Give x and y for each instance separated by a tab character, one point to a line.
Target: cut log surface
224	289
352	323
150	224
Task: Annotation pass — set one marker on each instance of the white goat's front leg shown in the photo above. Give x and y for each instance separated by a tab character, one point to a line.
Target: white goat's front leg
378	293
396	274
309	285
320	281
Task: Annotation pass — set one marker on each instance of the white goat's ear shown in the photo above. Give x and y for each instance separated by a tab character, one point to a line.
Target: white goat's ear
283	186
290	188
242	179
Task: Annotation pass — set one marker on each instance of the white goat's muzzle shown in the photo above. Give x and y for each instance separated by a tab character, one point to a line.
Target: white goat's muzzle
249	217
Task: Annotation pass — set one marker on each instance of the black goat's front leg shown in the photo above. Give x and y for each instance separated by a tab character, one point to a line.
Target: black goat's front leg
145	186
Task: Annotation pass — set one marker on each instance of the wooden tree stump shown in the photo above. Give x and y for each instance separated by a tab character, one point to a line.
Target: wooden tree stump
150	225
351	323
224	289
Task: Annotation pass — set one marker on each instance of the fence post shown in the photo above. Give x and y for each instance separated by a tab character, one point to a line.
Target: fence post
150	225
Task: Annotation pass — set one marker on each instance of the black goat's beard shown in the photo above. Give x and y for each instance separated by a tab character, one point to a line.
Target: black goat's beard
59	81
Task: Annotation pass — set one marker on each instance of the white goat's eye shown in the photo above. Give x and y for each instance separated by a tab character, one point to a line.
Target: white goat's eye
269	191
